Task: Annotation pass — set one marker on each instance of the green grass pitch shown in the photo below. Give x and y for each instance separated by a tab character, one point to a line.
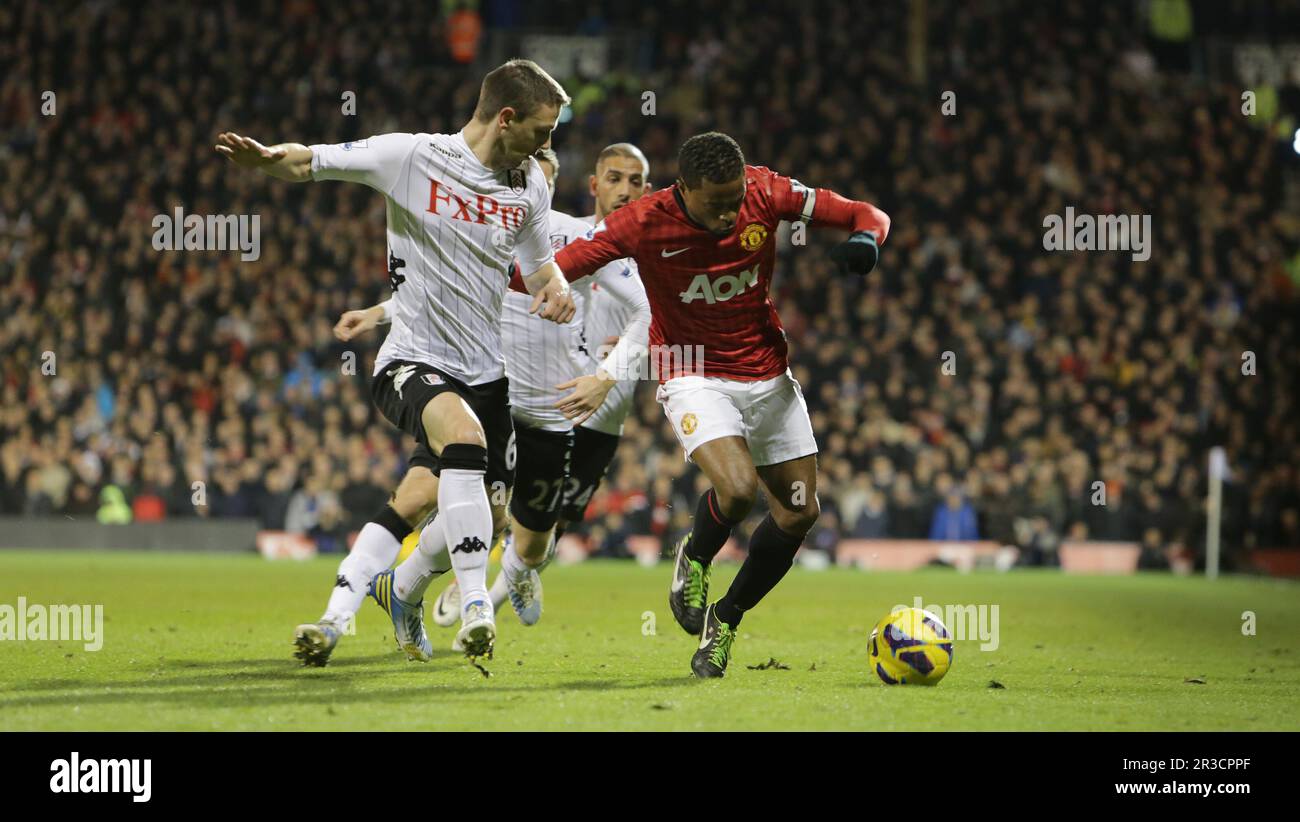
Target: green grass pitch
202	642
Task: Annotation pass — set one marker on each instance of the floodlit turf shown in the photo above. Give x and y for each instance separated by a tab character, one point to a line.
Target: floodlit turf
202	642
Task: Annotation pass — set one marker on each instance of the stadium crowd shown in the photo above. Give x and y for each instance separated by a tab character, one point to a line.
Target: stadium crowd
975	385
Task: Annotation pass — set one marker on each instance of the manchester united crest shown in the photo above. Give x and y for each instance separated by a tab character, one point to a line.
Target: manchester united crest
753	237
688	424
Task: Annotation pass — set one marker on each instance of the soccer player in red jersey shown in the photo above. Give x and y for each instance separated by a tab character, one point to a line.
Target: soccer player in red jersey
706	248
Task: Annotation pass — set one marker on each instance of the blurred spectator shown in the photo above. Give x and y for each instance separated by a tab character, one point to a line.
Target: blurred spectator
610	539
273	506
308	506
1037	542
999	510
113	509
954	520
1153	556
907	519
873	518
364	495
464	28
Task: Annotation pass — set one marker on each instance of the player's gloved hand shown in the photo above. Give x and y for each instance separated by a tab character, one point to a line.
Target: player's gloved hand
858	254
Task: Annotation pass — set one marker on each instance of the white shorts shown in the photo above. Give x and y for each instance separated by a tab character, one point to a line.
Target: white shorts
771	415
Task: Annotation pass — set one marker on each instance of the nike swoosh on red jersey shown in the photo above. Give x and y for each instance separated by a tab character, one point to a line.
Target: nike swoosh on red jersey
666	253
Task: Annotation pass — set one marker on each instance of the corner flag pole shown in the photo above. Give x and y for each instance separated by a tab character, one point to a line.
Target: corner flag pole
1214	510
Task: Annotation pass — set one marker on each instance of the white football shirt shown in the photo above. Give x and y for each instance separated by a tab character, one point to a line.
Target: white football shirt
607	316
454	225
541	354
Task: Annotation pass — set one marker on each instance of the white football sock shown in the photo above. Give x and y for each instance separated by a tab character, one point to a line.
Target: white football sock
426	563
467	523
513	567
374	550
499	592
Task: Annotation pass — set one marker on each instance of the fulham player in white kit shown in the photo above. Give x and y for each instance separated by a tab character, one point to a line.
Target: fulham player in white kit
543	362
460	208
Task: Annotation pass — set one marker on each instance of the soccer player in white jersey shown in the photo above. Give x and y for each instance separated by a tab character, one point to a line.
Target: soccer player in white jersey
460	208
543	361
621	176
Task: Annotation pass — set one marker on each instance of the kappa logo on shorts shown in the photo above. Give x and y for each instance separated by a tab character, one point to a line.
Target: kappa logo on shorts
400	375
431	379
689	423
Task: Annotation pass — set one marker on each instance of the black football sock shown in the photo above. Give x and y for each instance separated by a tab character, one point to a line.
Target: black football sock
771	553
710	531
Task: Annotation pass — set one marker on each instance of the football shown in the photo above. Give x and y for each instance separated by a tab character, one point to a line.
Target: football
910	647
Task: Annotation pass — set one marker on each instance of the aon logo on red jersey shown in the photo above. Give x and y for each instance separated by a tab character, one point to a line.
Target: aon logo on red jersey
721	289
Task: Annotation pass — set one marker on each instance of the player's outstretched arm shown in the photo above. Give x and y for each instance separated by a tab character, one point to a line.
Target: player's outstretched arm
861	251
286	161
360	321
823	208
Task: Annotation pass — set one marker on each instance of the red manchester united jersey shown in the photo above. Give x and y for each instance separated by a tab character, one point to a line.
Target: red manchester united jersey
704	290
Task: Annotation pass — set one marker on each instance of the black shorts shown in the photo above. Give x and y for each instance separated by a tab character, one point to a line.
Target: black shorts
543	467
402	389
593	451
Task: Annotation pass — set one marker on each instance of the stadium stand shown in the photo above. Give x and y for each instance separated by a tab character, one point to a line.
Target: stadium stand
130	374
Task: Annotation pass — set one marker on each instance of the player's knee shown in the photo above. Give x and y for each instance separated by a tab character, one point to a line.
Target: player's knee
466	434
736	496
531	546
798	521
447	425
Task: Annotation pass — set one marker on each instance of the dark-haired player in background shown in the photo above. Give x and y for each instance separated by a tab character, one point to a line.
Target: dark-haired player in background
705	248
621	176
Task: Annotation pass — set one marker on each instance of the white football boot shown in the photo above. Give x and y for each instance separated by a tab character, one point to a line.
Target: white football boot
478	631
